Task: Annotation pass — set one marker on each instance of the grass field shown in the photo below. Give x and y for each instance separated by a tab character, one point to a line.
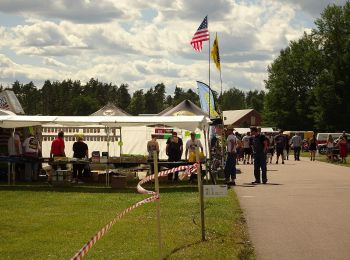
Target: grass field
323	158
42	222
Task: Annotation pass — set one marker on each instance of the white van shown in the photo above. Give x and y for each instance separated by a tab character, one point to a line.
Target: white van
321	138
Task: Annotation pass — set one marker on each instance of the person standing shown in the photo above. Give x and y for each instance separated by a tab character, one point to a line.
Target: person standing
152	146
280	143
31	148
230	166
271	143
14	146
296	143
174	149
57	149
247	149
312	148
342	149
80	151
330	147
260	148
190	150
191	146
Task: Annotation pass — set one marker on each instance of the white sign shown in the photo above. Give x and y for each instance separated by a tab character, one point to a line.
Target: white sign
214	191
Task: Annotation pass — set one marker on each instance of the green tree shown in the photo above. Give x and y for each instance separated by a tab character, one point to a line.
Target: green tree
150	100
332	94
137	103
84	106
255	99
291	79
123	97
232	99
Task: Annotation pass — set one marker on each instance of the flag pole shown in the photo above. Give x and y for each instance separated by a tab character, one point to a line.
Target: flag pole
209	72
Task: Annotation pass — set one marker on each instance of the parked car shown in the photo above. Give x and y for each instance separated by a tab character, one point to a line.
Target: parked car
322	148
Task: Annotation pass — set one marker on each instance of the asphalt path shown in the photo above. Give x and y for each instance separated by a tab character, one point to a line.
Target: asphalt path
303	212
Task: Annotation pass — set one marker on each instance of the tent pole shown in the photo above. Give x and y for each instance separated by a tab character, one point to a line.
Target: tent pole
206	152
107	166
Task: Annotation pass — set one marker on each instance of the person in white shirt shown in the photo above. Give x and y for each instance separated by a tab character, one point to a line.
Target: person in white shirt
14	147
31	149
191	146
247	149
296	143
230	166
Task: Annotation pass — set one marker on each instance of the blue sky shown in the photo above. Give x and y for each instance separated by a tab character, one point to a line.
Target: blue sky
142	44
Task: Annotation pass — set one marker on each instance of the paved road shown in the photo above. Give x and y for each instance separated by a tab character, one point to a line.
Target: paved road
302	213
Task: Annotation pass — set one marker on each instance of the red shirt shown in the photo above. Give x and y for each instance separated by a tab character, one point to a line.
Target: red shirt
57	147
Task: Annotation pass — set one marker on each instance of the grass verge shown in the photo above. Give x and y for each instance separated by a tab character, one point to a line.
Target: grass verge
42	222
323	158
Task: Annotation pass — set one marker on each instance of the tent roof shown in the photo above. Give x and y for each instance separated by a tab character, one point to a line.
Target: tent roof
232	116
184	122
110	110
6	112
186	107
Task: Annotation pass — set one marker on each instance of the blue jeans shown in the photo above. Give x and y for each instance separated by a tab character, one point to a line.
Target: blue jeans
230	167
260	163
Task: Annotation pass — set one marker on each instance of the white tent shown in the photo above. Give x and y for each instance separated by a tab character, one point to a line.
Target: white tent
136	129
184	122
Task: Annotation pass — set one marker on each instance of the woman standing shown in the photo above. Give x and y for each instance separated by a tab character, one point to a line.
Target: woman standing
330	146
312	148
342	149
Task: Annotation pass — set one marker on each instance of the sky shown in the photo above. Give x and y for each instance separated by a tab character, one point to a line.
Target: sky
143	43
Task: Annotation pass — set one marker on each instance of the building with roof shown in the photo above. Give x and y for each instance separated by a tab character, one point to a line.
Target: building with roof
242	118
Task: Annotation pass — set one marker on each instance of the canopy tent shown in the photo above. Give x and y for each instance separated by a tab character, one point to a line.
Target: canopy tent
185	122
186	107
137	128
110	110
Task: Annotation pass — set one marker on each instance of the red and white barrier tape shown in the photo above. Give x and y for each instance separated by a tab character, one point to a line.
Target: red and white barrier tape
83	251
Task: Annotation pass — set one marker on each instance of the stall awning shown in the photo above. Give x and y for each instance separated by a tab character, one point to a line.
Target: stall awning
183	122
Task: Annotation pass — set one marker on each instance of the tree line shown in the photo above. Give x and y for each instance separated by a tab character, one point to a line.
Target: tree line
308	85
73	98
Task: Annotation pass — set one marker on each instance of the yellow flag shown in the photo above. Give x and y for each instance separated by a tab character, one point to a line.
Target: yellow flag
215	53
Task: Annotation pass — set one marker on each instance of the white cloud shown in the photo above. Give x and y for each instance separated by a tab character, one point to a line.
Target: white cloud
314	7
11	71
143	43
52	62
80	11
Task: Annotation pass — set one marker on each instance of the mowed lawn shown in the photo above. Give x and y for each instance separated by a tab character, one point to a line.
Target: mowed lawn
42	222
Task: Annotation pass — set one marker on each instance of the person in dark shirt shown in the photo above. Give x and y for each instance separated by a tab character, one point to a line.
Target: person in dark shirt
280	142
174	149
260	148
81	151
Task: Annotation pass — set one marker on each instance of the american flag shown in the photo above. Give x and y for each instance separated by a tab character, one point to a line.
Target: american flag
201	35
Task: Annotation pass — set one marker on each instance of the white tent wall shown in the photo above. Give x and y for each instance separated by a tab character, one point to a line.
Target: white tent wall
134	131
134	141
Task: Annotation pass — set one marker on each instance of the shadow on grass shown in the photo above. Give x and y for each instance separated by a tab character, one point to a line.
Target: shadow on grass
175	250
92	188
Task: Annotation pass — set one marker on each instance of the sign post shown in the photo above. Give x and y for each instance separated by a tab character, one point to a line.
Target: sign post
156	181
201	197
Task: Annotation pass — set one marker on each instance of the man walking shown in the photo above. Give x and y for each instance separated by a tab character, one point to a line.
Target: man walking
230	166
296	143
280	142
260	148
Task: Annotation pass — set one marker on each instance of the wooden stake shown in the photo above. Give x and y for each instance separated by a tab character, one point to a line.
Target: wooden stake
200	190
156	182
